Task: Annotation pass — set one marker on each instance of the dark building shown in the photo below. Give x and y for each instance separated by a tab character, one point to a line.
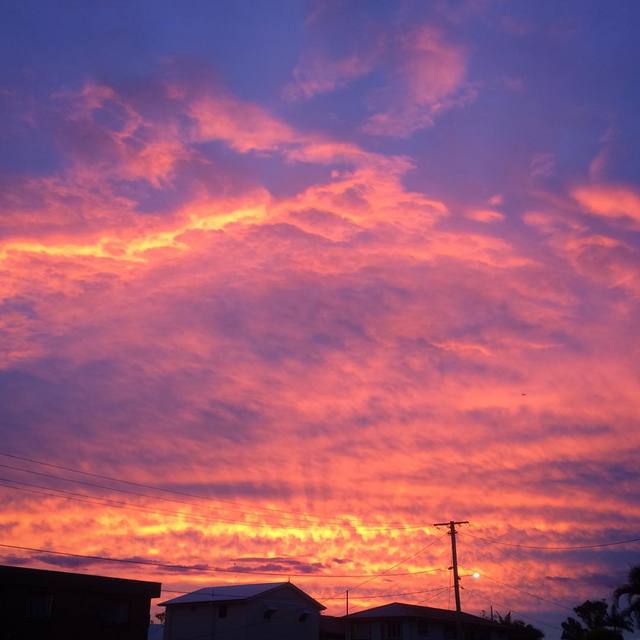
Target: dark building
55	605
332	628
398	621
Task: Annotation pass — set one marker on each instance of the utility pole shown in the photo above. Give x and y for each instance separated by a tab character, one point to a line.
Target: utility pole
347	601
454	556
454	565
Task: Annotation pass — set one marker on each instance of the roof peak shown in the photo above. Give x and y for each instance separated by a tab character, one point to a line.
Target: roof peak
405	609
235	592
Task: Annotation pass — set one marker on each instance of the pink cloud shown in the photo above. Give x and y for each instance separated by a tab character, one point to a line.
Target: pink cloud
429	79
317	74
243	126
484	215
422	75
139	148
609	201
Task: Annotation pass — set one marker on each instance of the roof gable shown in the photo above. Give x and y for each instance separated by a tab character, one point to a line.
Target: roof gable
402	610
68	580
238	593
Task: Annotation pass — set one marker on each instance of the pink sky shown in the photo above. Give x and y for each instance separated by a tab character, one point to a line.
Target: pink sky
342	285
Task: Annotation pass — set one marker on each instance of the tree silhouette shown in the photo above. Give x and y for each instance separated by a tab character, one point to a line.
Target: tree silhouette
598	623
519	629
631	591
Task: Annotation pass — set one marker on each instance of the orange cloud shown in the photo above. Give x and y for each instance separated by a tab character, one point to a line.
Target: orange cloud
609	201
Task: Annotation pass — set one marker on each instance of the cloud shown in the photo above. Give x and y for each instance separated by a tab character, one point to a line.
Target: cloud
274	356
317	74
542	166
102	120
244	127
414	74
614	202
428	80
485	215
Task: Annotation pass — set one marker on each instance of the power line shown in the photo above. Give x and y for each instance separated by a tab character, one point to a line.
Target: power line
562	548
384	595
198	515
435	595
528	593
129	492
397	564
109	502
239	506
522	615
215	571
321	597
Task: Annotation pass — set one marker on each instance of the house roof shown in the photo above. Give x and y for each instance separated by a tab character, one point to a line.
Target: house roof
401	610
45	578
236	592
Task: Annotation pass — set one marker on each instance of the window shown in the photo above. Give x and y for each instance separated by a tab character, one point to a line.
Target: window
269	613
392	630
360	631
304	616
222	611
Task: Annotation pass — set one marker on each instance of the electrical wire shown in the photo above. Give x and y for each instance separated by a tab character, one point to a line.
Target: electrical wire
127	491
109	502
512	610
435	595
239	506
148	496
199	568
397	564
559	548
382	595
528	593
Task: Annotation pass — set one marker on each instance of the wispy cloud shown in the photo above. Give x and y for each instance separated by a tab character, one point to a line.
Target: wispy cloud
428	79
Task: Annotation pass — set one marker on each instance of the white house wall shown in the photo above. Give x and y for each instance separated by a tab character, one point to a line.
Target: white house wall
245	620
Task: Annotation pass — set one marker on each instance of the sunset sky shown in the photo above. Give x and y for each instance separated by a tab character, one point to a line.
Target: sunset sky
341	269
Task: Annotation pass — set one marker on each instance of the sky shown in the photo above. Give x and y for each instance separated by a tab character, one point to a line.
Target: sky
330	272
